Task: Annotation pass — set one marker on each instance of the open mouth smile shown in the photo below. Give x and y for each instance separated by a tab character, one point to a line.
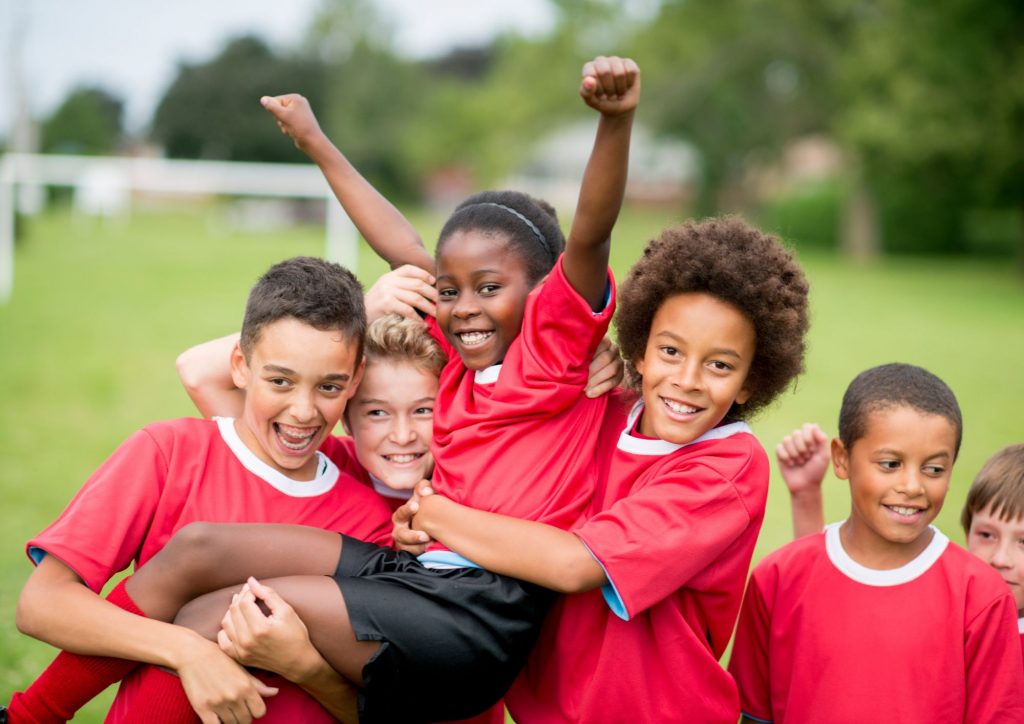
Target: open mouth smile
473	339
680	408
295	439
403	458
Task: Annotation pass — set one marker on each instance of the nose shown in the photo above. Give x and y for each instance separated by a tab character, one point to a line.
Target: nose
465	307
687	375
402	431
1001	553
911	484
302	408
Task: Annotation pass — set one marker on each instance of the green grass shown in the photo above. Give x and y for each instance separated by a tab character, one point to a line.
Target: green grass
99	312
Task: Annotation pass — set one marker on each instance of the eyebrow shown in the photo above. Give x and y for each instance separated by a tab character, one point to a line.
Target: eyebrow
375	401
478	272
336	376
889	451
717	350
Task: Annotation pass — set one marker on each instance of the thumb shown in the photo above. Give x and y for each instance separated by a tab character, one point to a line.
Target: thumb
268	595
261	688
272	104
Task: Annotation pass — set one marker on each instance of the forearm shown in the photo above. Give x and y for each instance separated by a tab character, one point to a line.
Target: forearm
205	373
335	693
808	512
69	616
530	551
600	200
383	226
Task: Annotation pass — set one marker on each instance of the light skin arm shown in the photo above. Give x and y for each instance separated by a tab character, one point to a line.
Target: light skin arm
205	372
55	606
804	456
383	226
277	640
612	87
530	551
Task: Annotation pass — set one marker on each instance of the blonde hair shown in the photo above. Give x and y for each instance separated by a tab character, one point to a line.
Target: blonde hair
396	339
1000	483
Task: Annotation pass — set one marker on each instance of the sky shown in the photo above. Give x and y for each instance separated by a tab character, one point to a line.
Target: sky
133	47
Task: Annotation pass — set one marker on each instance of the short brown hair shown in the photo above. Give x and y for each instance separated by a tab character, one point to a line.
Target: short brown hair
999	485
732	261
393	338
319	293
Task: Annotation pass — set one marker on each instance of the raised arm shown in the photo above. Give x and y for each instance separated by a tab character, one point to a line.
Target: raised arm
530	551
383	226
612	87
803	457
205	373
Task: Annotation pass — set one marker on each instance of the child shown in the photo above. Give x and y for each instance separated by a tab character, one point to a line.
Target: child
992	518
397	624
299	360
711	326
881	618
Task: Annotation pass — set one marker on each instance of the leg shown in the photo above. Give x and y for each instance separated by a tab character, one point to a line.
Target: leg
204	557
320	605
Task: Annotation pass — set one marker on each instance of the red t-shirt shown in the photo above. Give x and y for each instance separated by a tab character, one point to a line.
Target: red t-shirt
173	473
822	638
675	531
520	438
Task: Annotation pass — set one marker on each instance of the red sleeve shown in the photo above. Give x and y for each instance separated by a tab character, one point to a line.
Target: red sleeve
435	331
103	527
656	539
995	677
750	661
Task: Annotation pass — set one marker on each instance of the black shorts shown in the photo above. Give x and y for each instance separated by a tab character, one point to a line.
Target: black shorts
452	640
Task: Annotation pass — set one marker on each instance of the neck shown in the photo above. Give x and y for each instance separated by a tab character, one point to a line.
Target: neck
872	551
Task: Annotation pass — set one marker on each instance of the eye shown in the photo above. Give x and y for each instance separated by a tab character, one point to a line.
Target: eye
984	534
720	366
377	413
424	411
488	289
447	293
889	464
329	388
669	351
934	470
279	382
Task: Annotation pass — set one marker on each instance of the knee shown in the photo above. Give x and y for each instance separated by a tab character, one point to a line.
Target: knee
193	547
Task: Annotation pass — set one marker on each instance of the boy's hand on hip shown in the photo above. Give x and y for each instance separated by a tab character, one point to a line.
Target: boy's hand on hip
611	85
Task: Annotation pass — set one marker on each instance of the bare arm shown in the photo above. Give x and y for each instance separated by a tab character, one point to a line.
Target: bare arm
531	551
381	224
803	457
611	86
205	372
55	606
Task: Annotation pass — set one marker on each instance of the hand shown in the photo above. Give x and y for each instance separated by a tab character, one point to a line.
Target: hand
402	291
406	537
803	458
606	370
220	690
611	85
277	642
294	117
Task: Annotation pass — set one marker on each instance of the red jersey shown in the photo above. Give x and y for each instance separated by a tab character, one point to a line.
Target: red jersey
822	638
520	438
173	473
674	530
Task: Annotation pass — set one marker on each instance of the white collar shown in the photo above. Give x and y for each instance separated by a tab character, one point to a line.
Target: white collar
326	471
387	491
874	577
643	446
1020	625
488	375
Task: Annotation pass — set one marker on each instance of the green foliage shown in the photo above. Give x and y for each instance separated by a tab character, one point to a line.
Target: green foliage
212	110
807	217
88	122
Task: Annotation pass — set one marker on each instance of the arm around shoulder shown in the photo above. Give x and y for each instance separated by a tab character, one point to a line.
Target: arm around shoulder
205	373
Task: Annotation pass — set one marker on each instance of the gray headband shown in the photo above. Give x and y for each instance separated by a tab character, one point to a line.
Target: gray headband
533	227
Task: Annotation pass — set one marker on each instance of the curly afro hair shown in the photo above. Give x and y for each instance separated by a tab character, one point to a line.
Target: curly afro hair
739	265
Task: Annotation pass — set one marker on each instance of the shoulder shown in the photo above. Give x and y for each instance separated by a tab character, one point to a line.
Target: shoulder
981	584
794	557
737	459
170	435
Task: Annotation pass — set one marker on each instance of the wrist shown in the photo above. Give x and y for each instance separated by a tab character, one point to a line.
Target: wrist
185	646
307	668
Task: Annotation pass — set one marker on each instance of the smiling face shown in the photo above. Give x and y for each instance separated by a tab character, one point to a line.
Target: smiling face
482	286
1000	543
698	354
899	474
297	381
391	419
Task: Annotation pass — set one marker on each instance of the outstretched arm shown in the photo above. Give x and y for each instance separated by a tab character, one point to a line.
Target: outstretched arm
803	457
383	226
612	87
531	551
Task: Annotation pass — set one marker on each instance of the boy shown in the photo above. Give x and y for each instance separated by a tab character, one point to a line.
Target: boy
881	618
299	361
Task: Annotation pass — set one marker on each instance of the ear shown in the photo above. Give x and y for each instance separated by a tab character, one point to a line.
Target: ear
743	396
638	365
840	459
240	372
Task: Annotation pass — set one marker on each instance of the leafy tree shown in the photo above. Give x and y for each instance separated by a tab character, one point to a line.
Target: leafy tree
212	110
89	122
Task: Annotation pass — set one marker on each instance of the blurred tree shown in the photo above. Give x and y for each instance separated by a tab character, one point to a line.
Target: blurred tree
89	121
212	110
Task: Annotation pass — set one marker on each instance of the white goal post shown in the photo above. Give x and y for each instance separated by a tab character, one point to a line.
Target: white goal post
160	175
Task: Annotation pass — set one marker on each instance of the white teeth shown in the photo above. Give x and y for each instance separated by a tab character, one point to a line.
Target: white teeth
400	459
472	338
679	407
902	510
295	438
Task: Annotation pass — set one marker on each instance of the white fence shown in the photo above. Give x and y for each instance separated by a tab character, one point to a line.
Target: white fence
106	183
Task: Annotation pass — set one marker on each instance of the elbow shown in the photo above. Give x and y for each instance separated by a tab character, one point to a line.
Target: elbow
29	615
187	372
578	574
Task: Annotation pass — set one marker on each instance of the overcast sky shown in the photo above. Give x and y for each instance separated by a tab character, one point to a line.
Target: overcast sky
133	47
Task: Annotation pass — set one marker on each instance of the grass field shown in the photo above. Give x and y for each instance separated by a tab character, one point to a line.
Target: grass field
99	312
